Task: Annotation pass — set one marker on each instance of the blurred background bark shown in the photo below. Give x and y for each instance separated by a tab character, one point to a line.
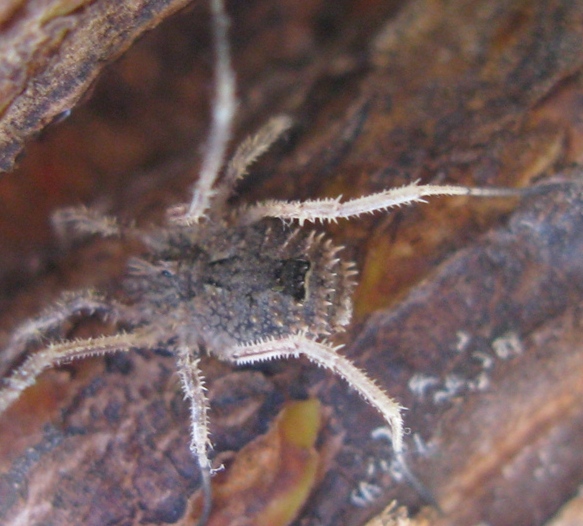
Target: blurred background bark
468	311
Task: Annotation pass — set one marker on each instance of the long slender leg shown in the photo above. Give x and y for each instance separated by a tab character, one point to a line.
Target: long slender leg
333	209
200	444
78	222
26	375
223	111
247	153
327	356
69	305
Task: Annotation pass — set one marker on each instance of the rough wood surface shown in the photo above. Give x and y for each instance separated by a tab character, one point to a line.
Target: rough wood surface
477	301
52	50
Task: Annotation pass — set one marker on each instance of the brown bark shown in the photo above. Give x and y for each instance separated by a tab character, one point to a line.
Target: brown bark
478	298
53	50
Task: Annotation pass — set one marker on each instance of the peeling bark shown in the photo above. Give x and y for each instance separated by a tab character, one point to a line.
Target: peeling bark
52	52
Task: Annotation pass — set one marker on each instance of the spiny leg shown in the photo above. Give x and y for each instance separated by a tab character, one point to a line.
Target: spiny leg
193	387
246	154
327	356
223	111
26	375
69	305
333	209
79	222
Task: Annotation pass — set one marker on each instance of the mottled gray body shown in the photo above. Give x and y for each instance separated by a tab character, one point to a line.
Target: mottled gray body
221	286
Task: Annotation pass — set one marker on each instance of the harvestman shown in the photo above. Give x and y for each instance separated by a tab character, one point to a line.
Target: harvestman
238	284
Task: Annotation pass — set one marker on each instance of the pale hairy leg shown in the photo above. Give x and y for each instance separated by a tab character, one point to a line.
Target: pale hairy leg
69	305
246	154
79	222
223	112
26	375
327	356
200	444
333	209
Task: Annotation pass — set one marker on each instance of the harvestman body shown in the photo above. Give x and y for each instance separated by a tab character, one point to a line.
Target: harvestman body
238	284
